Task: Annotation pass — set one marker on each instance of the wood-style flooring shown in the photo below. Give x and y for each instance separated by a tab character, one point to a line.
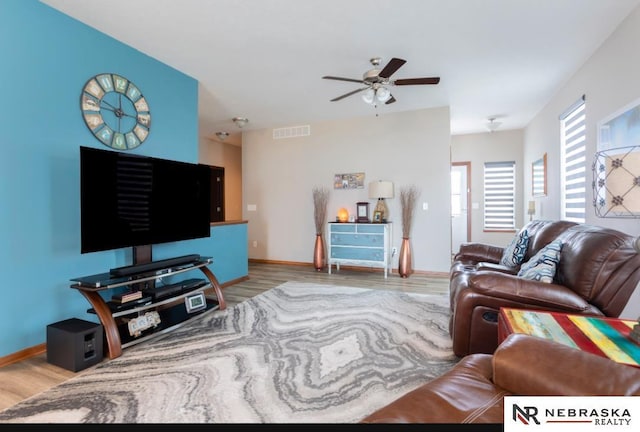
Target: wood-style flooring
29	377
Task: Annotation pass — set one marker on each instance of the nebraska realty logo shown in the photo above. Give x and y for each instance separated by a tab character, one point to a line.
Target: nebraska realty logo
571	413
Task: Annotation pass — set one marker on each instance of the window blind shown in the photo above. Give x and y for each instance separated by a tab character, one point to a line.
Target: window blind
573	139
499	196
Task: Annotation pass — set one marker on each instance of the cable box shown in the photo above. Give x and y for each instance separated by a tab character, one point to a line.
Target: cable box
176	288
117	306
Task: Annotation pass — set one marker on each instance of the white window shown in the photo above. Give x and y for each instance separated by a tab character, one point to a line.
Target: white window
573	167
499	196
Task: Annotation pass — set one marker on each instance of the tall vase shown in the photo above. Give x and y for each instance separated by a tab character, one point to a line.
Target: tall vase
318	253
404	259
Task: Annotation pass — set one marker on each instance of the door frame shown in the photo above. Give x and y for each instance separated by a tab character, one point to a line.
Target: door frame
217	194
467	165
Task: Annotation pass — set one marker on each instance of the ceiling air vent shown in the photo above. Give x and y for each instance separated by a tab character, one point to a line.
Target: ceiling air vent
292	132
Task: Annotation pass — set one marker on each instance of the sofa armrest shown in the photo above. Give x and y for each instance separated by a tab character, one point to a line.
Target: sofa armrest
496	267
464	394
534	294
477	252
529	365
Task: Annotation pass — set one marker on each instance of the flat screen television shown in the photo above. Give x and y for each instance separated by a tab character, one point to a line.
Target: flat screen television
131	200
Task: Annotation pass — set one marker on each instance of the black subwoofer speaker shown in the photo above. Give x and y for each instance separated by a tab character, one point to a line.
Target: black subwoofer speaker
74	344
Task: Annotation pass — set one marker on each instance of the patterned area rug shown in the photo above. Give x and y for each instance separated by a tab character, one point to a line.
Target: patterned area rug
298	353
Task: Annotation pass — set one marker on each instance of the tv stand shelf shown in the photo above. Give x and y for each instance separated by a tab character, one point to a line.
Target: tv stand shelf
171	318
172	312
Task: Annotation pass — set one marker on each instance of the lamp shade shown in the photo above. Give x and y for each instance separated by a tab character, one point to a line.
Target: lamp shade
381	189
492	125
383	94
240	121
368	96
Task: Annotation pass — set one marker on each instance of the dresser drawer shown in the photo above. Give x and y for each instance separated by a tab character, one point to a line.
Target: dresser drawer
356	228
342	227
359	254
372	240
372	228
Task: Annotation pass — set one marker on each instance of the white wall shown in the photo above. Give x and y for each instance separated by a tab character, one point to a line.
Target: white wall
410	148
490	147
610	79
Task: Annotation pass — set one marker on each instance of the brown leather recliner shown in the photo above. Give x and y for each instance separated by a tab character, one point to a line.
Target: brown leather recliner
473	390
597	273
482	256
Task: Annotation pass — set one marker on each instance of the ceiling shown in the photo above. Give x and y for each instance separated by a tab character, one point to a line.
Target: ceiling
264	59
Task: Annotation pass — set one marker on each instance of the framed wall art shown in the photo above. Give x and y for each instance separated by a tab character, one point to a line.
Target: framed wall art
348	181
616	168
539	177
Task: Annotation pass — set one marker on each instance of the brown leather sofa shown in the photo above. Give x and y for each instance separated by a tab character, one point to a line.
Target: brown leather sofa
598	271
482	256
473	390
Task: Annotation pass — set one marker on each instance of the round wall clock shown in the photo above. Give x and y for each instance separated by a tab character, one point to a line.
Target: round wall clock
115	111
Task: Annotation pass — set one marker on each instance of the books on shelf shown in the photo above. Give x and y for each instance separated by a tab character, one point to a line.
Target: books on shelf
126	296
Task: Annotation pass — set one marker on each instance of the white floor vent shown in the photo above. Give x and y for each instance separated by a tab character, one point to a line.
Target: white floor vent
292	132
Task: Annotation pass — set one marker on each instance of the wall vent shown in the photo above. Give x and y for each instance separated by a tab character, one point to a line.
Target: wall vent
292	132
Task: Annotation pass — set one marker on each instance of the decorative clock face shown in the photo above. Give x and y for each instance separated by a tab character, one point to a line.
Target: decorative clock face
115	111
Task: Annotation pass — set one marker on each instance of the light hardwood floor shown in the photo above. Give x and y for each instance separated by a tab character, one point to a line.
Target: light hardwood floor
21	380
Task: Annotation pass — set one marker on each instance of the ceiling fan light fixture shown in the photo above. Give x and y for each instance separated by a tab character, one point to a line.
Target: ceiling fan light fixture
383	94
368	96
378	80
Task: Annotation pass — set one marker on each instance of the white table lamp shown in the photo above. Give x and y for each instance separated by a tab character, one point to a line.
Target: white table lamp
381	190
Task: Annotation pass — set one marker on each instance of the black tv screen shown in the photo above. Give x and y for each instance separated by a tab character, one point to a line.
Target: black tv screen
132	200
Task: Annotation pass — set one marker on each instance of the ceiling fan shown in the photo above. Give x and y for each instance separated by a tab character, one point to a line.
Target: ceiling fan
377	80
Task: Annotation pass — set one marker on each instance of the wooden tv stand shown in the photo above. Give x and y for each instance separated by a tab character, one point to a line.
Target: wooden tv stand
171	309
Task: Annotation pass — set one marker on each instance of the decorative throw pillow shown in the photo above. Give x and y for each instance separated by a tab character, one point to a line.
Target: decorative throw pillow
514	253
542	266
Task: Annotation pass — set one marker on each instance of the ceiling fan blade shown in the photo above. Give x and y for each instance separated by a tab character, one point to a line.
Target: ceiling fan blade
349	94
393	65
414	81
390	101
342	79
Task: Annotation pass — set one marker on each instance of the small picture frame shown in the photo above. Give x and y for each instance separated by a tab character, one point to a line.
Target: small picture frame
539	177
377	216
362	212
195	302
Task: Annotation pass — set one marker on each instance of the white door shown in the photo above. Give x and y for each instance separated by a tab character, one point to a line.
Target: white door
460	216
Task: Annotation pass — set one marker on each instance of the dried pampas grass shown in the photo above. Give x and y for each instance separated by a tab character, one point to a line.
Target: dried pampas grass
320	201
408	198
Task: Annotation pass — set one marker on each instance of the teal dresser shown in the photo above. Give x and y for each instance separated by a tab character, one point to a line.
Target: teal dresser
359	244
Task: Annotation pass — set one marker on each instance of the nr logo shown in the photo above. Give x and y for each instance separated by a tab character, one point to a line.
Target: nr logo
525	414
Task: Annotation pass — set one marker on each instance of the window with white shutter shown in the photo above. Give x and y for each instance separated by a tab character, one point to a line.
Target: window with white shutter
499	196
573	166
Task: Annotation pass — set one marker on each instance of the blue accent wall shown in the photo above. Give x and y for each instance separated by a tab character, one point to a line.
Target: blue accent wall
227	246
47	57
